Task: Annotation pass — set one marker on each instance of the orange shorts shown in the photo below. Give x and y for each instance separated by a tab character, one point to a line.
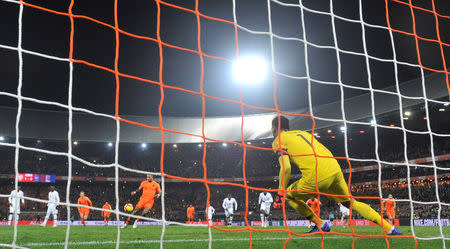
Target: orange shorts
84	211
190	216
390	212
143	203
106	215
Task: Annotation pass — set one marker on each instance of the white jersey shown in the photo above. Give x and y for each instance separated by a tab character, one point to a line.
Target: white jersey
210	211
53	198
344	209
14	200
265	199
229	204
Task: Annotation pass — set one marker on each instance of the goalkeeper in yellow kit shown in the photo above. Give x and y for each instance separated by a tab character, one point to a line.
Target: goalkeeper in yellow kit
298	147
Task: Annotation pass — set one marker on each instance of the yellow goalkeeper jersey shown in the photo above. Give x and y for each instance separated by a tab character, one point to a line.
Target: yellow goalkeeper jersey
299	145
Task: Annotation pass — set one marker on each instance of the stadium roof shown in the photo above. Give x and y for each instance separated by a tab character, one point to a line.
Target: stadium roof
96	127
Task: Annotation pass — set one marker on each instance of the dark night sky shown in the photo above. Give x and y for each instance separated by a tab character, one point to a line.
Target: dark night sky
94	89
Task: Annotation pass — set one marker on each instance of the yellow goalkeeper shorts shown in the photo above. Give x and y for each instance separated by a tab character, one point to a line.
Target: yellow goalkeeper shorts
334	185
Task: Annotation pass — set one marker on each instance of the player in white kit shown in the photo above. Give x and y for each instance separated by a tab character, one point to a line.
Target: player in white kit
265	201
229	205
53	198
210	212
345	212
15	199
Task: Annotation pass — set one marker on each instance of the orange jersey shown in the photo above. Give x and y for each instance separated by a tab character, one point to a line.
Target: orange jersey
190	211
84	201
389	205
106	206
149	189
314	203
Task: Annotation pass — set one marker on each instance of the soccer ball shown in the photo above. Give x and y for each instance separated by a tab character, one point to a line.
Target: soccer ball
128	207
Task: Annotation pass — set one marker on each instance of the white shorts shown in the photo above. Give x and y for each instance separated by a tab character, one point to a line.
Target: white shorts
229	212
265	208
11	209
51	209
210	216
345	214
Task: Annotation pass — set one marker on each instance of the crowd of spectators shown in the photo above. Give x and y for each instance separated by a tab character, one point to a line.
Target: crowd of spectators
178	196
187	160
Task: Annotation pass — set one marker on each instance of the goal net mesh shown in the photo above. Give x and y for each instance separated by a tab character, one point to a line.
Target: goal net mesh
387	30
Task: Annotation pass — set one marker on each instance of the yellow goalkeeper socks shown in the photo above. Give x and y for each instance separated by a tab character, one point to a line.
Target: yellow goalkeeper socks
302	208
367	212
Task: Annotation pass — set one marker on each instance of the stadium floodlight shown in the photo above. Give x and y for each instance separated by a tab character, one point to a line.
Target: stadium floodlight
407	113
342	128
2	138
249	142
329	131
143	145
224	144
110	144
446	104
75	142
249	70
175	145
441	109
200	145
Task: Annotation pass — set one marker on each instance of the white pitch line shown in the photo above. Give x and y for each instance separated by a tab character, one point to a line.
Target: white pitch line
180	241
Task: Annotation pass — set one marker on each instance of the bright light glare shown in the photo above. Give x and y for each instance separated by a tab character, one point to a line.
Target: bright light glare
407	113
224	144
110	144
2	138
342	128
143	146
175	146
442	110
249	70
199	145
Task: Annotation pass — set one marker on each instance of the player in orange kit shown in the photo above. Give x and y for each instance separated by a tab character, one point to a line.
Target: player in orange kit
315	204
106	214
190	213
150	189
389	206
84	211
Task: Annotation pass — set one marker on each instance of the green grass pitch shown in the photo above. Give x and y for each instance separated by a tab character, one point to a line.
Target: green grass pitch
197	237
